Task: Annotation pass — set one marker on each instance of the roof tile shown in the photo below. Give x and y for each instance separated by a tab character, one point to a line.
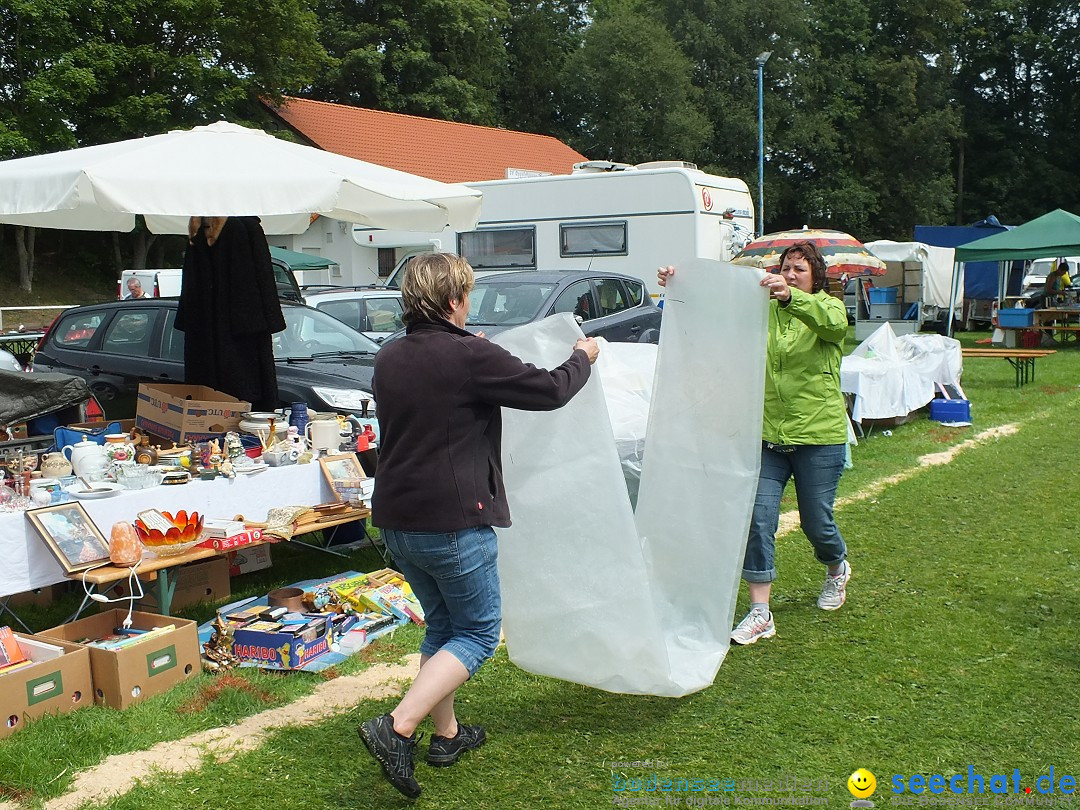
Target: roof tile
441	150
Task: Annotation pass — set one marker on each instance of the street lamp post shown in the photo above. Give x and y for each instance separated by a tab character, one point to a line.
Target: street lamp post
762	58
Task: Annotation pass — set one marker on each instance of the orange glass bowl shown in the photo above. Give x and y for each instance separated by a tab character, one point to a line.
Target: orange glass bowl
185	530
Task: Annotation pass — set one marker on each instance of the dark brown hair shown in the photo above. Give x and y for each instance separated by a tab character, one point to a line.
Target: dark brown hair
810	252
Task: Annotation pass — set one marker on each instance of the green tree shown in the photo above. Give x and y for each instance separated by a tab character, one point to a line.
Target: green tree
81	74
630	92
437	58
540	37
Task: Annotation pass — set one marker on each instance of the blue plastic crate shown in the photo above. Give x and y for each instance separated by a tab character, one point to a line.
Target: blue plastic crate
950	410
1014	317
883	295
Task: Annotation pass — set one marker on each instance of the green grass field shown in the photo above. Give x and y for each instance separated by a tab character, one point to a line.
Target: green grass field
957	647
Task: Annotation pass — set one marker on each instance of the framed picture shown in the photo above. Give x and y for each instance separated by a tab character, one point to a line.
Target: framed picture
343	473
71	535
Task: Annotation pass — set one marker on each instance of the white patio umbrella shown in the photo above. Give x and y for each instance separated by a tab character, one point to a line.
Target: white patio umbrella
221	170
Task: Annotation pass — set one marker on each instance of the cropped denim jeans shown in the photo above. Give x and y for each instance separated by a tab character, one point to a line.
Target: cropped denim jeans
816	469
455	576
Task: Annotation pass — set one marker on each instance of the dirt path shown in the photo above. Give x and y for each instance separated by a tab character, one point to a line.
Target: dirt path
118	774
789	521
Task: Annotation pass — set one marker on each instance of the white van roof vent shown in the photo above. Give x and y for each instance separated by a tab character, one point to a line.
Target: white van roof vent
667	164
596	166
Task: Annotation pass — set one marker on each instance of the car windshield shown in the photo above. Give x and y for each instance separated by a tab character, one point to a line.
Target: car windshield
507	302
309	332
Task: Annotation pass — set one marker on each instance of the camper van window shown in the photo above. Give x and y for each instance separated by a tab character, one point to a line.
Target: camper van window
594	239
502	247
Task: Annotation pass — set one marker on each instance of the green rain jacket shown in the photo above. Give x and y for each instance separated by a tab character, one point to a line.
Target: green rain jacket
803	403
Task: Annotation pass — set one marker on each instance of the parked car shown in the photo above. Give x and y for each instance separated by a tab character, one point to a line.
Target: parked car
116	345
608	305
375	311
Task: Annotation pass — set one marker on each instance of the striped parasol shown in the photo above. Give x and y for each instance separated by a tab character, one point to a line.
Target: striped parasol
843	252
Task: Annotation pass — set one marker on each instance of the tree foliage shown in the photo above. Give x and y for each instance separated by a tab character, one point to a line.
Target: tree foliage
878	115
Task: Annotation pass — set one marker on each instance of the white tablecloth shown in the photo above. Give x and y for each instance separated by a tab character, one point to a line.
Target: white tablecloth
26	562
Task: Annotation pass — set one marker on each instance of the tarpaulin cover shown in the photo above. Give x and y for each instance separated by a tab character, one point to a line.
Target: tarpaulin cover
892	376
641	601
934	263
28	396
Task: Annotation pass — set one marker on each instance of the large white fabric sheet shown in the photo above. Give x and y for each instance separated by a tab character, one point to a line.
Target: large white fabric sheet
892	376
638	602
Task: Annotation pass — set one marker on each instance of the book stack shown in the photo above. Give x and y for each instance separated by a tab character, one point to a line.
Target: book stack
123	637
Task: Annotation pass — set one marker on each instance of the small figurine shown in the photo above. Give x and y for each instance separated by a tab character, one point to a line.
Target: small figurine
218	655
234	448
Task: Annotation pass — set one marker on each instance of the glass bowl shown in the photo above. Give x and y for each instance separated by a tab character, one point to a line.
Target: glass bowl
182	535
139	477
171	549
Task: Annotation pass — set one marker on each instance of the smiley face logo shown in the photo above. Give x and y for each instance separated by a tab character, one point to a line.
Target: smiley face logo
861	783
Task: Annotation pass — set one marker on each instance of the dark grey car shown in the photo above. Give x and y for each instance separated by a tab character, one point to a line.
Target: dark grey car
117	345
608	305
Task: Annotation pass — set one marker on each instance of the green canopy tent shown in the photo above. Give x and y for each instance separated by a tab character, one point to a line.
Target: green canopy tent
300	261
1053	234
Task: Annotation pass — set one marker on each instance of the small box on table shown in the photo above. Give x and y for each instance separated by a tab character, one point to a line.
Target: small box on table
56	680
950	410
125	676
187	412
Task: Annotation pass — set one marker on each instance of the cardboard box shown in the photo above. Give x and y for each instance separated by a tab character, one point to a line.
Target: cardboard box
206	581
280	650
128	676
187	412
54	683
249	558
244	538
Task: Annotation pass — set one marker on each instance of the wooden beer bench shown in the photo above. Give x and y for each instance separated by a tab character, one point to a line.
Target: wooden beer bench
1022	360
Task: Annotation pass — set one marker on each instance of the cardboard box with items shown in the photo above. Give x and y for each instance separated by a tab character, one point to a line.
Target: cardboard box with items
187	412
131	664
41	676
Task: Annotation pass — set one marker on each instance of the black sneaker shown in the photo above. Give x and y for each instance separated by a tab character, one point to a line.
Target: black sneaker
445	751
393	752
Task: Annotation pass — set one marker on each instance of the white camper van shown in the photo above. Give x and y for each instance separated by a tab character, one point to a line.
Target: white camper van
605	216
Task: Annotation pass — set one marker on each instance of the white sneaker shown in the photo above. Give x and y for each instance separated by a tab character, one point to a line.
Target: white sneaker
834	591
755	625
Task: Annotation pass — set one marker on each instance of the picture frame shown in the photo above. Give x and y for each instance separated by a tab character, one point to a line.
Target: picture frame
343	473
71	535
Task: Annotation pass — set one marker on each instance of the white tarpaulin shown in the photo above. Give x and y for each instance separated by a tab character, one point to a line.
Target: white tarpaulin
221	170
641	601
933	264
892	376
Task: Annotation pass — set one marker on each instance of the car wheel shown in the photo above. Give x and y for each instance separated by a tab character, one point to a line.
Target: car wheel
104	392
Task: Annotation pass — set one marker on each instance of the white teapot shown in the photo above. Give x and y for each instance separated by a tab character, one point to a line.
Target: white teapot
88	459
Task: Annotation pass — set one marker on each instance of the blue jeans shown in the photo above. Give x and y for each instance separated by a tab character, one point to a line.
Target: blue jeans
816	468
455	576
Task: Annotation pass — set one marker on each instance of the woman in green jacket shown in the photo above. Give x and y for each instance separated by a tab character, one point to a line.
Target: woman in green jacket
804	432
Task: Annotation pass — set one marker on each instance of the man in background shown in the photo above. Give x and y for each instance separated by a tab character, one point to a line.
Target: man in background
134	289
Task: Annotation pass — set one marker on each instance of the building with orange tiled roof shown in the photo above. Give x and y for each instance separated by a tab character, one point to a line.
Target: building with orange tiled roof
441	150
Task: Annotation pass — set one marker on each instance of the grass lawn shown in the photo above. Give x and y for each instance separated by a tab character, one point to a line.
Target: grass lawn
957	648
